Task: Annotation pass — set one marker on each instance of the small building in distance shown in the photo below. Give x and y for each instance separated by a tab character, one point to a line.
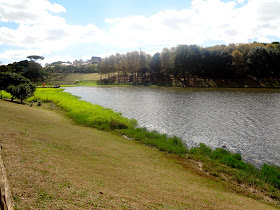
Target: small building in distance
77	63
95	60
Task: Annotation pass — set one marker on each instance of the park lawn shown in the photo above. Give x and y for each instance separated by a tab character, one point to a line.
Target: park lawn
53	163
71	78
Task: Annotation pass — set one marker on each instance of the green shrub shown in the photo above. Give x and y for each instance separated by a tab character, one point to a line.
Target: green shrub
201	150
271	174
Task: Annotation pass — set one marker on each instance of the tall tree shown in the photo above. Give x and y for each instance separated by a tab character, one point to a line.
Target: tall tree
155	67
181	64
35	57
258	62
238	64
167	64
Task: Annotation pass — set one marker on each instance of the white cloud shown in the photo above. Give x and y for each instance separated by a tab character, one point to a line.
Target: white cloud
52	59
206	20
240	1
27	11
39	29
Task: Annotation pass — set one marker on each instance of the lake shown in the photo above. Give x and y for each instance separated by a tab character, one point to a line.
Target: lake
244	121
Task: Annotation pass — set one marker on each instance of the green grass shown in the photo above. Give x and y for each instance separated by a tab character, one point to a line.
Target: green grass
83	112
153	138
244	171
95	83
87	83
95	116
270	174
5	94
53	163
217	161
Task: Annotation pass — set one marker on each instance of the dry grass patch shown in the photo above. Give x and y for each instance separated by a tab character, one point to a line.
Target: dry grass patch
53	163
71	78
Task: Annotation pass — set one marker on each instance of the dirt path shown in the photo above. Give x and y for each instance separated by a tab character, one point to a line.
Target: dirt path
53	163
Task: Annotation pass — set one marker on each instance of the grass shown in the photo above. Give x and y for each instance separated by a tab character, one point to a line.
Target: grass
83	112
53	163
95	116
5	94
161	141
217	162
87	83
71	78
95	83
242	171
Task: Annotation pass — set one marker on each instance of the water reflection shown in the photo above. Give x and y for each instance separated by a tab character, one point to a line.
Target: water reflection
244	122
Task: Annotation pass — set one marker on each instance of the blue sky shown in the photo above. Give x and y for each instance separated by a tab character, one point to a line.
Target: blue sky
69	29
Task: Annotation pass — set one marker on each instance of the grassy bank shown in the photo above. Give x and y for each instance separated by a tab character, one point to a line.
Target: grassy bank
219	163
53	163
268	177
84	112
96	116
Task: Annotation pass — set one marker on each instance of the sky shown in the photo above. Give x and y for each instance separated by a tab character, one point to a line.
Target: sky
66	30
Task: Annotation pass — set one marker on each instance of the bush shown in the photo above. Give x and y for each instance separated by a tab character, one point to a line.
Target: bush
271	174
21	91
201	150
17	85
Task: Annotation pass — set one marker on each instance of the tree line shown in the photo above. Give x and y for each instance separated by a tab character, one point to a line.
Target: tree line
184	63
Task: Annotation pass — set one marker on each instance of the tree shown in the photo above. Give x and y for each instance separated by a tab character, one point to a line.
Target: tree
194	61
29	69
238	63
35	57
4	82
167	64
258	62
155	67
21	91
181	63
8	78
17	85
34	72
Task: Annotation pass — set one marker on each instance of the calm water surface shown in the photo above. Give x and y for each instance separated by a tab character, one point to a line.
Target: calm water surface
247	122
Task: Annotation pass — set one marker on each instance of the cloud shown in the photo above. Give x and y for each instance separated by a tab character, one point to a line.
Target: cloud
205	20
27	11
240	1
40	28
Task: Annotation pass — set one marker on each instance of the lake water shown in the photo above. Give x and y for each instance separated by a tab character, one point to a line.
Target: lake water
245	121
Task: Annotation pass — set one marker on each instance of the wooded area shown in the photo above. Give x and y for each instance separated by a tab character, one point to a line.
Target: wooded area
178	65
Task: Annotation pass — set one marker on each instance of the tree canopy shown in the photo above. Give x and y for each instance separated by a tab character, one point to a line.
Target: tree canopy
17	85
185	63
35	57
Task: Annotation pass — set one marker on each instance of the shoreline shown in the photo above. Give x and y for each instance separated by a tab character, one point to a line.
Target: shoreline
47	158
217	163
217	156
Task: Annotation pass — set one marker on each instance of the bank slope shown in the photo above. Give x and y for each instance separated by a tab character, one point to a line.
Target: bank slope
53	163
